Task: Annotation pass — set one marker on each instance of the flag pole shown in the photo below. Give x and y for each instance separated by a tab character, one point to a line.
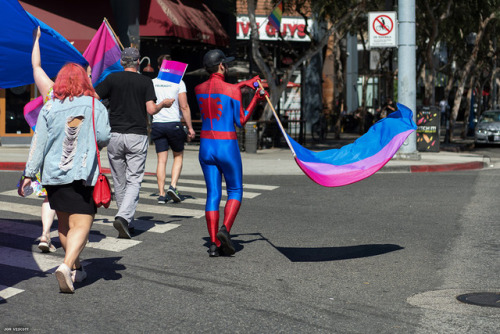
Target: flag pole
278	120
114	34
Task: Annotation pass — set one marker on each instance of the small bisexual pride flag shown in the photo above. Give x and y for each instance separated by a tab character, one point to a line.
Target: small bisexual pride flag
275	16
172	71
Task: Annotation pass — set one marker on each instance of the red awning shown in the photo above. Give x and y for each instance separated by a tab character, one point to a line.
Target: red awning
187	19
77	33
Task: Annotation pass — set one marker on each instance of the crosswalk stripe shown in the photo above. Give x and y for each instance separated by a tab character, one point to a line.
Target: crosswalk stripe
165	210
95	241
202	182
26	209
186	199
171	210
139	224
28	260
7	292
182	189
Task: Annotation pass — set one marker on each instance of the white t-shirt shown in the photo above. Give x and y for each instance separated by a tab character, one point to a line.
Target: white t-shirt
168	90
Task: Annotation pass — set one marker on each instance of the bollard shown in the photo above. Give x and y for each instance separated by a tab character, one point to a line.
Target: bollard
251	137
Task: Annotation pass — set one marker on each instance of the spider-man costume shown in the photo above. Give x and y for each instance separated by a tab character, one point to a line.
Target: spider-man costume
221	108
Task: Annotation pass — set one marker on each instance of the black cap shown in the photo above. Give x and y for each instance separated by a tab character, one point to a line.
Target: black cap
215	57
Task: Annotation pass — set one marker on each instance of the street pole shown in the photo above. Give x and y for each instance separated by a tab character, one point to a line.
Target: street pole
407	72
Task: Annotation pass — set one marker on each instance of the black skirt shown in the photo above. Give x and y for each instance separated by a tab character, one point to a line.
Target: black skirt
72	198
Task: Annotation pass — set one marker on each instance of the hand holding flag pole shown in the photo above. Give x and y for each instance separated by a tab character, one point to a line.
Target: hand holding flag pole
259	84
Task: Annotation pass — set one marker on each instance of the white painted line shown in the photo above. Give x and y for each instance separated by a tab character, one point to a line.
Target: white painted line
107	243
141	225
110	244
28	260
165	210
202	182
27	209
182	189
187	200
7	292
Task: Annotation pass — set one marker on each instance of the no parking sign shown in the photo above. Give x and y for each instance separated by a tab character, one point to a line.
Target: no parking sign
382	29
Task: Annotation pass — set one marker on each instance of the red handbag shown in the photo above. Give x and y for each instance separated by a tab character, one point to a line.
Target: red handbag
102	188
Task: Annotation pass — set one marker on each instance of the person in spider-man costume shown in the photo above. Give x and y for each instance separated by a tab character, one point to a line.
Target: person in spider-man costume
221	108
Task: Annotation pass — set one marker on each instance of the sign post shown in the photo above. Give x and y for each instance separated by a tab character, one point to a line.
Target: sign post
382	30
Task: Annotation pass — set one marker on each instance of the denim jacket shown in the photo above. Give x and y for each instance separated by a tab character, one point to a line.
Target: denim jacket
65	153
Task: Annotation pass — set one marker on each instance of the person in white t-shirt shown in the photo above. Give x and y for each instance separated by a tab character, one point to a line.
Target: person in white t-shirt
167	132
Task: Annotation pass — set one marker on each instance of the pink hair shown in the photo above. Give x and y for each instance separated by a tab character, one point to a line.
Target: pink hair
71	81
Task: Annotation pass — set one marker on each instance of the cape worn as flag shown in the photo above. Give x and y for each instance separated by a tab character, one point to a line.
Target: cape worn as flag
361	159
16	43
172	71
103	54
275	16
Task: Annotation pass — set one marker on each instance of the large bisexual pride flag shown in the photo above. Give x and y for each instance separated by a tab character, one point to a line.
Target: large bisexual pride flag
16	44
103	54
361	159
172	71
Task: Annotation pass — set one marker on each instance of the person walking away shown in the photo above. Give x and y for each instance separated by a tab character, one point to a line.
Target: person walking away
64	149
167	132
131	98
44	85
221	108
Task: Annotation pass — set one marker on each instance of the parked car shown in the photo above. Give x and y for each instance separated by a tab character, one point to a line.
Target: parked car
488	128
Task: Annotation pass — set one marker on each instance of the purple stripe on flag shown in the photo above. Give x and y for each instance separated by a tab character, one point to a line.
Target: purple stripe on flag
330	175
103	54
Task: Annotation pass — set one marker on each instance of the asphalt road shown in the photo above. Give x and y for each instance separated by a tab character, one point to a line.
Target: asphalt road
385	255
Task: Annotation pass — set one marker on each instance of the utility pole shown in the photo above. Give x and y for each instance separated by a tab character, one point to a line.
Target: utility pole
407	90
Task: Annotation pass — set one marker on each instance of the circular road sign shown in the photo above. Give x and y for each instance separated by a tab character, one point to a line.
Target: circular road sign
383	25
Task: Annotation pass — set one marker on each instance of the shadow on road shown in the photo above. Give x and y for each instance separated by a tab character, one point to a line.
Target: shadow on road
322	254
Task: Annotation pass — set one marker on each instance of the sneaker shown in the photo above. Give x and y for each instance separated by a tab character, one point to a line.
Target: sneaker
162	200
174	194
63	275
78	275
226	243
121	226
213	251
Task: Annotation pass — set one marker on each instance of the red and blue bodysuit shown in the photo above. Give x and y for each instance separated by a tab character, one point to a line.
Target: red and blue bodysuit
221	108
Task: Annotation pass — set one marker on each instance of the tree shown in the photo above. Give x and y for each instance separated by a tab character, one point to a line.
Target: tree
339	17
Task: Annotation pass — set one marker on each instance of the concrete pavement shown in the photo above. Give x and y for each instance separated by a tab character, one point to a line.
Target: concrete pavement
277	161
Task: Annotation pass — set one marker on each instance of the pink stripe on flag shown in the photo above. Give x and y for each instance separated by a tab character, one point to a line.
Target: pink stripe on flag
339	175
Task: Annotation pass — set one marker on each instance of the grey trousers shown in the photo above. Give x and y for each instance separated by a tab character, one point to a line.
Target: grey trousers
127	159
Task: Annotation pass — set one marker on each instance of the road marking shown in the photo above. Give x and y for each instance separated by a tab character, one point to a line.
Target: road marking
202	182
96	241
246	194
28	260
155	226
7	292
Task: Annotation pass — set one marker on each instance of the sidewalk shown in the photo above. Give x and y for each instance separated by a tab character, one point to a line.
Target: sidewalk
279	161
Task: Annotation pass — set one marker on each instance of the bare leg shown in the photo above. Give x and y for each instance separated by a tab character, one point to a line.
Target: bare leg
161	172
47	217
73	233
176	168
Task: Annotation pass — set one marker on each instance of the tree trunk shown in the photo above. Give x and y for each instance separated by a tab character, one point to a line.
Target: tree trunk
467	69
472	83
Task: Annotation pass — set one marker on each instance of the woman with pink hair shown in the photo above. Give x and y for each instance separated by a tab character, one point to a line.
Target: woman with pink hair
64	149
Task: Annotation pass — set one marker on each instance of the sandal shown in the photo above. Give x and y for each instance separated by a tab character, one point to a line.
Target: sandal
46	246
